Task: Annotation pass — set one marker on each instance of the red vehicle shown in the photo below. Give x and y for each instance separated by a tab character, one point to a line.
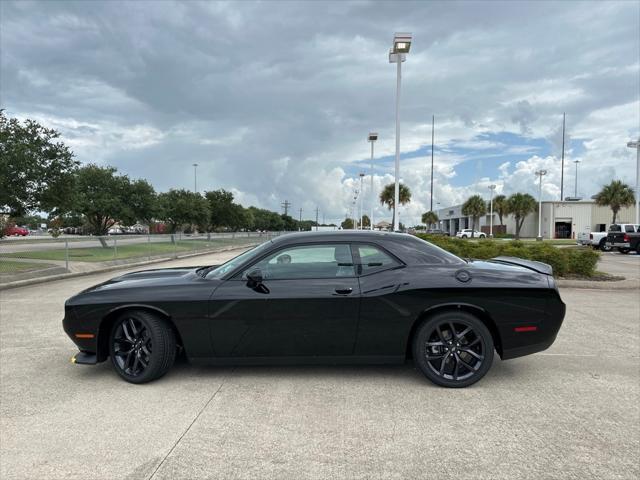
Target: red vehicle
17	231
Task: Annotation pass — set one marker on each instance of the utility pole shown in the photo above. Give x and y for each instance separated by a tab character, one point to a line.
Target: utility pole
195	177
562	166
575	191
433	123
361	198
300	224
317	210
286	204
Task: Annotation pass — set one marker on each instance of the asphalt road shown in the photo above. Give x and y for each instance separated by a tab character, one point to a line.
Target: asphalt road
572	412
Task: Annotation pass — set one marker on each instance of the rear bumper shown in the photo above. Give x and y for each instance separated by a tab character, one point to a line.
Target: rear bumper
619	245
85	358
525	343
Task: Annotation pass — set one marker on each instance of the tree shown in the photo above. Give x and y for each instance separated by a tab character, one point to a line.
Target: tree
142	202
347	224
474	207
616	195
501	207
366	221
520	205
180	208
430	218
103	198
220	208
36	171
387	197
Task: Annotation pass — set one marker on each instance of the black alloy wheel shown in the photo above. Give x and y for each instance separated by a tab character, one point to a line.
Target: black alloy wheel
603	245
142	346
453	349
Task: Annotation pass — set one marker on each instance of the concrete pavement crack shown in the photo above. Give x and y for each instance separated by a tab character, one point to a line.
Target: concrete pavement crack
190	425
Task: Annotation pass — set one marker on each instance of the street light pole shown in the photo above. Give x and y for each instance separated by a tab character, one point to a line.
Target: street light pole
361	198
492	188
540	173
575	190
372	138
195	177
636	145
401	46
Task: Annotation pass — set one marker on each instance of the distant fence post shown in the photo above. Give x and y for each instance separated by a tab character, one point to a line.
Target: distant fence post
66	254
115	248
149	245
175	246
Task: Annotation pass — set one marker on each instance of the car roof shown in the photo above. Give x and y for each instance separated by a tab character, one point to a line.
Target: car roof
339	235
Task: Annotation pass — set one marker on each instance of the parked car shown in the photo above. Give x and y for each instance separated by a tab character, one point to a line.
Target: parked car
624	237
594	239
466	233
436	231
16	231
322	297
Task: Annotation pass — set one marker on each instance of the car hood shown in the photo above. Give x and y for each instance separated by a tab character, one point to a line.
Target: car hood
148	278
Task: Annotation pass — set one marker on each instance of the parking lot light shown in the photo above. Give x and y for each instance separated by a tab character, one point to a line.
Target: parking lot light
492	188
540	173
636	145
373	136
401	46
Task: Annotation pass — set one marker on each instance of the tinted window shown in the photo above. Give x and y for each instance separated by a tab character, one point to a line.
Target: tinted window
235	262
372	259
615	228
307	261
415	251
629	228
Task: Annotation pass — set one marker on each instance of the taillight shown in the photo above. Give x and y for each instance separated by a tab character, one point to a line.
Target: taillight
625	238
591	236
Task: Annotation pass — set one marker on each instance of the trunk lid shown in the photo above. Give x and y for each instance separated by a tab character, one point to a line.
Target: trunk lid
521	262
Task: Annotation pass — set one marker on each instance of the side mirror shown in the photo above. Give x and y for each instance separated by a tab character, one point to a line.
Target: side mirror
254	278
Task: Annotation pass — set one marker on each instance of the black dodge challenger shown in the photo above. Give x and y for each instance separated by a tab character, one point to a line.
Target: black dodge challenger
322	297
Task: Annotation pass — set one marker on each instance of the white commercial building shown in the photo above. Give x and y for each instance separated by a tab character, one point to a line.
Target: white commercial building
559	220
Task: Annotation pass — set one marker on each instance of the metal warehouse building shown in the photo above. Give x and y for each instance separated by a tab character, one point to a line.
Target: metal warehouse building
559	219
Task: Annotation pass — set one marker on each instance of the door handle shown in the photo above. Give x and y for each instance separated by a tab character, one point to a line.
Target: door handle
344	291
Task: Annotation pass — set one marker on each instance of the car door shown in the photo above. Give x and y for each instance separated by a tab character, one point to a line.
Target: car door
310	303
383	313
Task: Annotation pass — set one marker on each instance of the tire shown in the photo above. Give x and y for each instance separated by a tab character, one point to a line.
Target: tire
482	235
142	346
468	369
603	245
463	236
624	250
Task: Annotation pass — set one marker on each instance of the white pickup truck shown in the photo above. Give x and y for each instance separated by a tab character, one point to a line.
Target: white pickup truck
599	239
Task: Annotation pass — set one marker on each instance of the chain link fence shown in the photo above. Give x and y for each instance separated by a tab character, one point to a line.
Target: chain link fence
30	257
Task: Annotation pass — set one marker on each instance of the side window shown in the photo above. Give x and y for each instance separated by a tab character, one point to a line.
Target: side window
306	261
629	229
373	259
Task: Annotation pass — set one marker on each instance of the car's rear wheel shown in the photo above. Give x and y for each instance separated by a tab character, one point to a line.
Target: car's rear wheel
624	250
453	349
142	346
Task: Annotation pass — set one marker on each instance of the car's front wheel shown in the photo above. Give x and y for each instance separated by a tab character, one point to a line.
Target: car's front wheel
453	349
142	346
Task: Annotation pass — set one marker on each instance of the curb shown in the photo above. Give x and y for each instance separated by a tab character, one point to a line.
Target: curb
124	266
616	285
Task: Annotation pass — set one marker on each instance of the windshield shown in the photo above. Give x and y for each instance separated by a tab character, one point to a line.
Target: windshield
225	268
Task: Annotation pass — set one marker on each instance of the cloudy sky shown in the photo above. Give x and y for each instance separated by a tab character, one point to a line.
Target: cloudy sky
274	100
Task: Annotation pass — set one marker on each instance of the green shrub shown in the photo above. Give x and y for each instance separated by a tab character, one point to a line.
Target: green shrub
564	261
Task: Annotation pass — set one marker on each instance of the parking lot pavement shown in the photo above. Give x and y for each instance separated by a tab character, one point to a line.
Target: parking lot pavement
617	263
572	411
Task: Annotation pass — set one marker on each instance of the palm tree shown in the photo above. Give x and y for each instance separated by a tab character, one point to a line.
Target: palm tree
474	207
520	205
387	197
429	218
500	206
616	195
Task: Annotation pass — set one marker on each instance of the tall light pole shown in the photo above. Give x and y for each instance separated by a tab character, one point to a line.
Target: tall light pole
636	145
492	188
372	139
195	177
361	198
401	46
575	189
433	123
540	173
